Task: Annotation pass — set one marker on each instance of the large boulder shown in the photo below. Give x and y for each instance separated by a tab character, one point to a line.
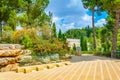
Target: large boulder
54	57
24	59
26	52
10	46
44	59
7	60
10	67
10	53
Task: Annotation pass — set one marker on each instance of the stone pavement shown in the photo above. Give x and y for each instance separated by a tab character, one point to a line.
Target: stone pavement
86	67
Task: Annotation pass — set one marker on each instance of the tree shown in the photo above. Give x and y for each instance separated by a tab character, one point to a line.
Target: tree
54	30
63	38
91	6
74	47
60	34
6	8
113	7
83	43
12	21
88	31
35	10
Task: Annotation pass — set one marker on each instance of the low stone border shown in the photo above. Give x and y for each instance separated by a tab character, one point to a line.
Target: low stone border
29	69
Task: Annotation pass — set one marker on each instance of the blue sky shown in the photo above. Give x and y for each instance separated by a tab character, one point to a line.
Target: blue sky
70	14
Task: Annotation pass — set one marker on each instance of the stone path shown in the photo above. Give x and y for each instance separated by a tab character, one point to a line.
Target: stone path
86	67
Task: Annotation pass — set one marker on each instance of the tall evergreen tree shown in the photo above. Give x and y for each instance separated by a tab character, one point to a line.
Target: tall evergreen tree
54	30
83	43
60	34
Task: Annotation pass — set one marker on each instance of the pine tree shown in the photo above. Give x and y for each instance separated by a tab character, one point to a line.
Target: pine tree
74	47
83	43
54	30
60	34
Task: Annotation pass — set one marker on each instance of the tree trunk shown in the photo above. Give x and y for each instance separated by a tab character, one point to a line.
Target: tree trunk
115	33
94	34
28	13
0	32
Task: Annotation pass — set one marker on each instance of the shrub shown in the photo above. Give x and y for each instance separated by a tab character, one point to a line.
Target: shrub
98	53
27	42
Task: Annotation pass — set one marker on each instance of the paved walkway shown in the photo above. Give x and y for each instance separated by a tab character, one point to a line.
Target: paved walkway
85	67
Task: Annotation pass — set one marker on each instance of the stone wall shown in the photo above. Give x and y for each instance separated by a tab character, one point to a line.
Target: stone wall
10	55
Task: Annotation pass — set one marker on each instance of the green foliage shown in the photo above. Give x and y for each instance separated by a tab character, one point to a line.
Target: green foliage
60	34
118	40
97	53
45	31
12	21
49	46
35	11
19	35
110	4
54	30
83	43
88	31
75	33
7	35
26	41
118	54
74	47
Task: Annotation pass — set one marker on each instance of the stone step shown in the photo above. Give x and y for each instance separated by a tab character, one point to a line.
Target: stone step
59	64
29	69
20	69
49	66
40	67
66	63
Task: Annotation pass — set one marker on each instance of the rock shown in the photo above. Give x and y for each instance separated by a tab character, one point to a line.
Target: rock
20	69
7	60
10	46
27	70
59	64
66	63
49	66
44	59
26	52
10	53
24	59
54	57
41	67
10	67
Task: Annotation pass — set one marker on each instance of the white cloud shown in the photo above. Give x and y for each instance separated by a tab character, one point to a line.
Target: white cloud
55	19
69	26
77	4
69	22
86	17
100	22
69	14
61	25
74	3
